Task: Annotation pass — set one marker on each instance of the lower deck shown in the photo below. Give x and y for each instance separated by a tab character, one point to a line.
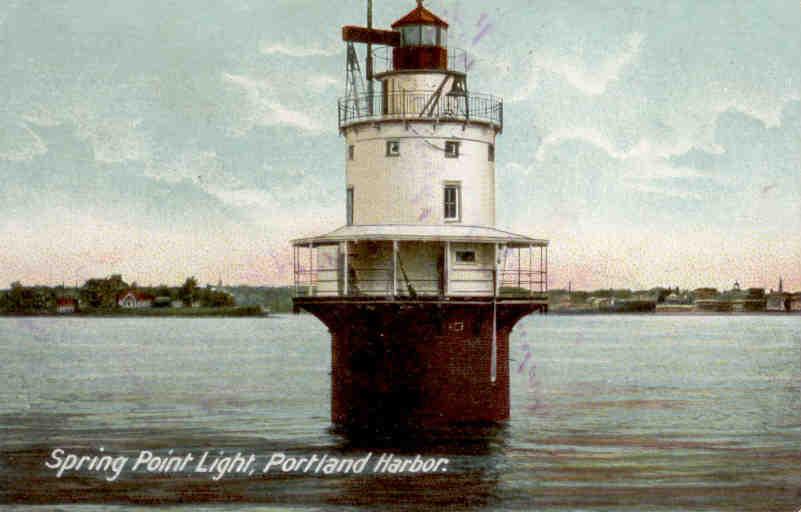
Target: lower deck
420	269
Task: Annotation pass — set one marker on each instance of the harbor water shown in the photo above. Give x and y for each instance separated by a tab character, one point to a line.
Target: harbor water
608	413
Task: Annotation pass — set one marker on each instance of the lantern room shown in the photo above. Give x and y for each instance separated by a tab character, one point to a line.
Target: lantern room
423	41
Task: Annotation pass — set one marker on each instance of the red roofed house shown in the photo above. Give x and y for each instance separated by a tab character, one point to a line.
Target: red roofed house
133	299
66	305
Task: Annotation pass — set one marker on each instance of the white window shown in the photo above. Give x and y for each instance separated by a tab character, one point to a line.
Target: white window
491	152
451	149
465	256
452	201
349	206
393	148
351	152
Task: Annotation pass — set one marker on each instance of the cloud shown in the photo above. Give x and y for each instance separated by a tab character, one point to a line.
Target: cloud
18	142
589	79
644	148
291	50
113	140
322	82
264	109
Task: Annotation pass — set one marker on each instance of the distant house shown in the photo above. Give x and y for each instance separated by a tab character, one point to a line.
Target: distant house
133	299
705	294
795	302
779	301
66	305
162	302
750	300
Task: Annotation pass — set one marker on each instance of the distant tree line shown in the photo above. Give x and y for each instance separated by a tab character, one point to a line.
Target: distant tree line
104	294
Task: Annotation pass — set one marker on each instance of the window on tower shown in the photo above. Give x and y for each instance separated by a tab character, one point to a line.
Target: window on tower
393	148
491	152
452	149
465	256
351	151
452	202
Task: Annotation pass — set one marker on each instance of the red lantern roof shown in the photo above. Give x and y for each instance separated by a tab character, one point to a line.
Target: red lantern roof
420	16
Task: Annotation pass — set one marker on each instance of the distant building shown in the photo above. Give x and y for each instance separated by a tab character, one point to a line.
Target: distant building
677	298
708	299
705	293
795	302
750	300
66	305
779	300
133	299
162	302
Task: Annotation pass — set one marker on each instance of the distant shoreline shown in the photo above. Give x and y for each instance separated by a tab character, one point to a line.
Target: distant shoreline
675	313
231	312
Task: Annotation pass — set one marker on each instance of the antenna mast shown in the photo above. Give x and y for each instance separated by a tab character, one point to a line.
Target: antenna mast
369	64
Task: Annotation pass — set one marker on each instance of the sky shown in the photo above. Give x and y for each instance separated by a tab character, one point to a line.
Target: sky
654	143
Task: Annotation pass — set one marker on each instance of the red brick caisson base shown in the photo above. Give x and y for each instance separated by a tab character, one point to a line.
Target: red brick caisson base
414	363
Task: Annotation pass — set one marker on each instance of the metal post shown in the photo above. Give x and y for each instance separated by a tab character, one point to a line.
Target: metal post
447	269
394	268
496	277
311	267
530	272
518	267
542	276
546	268
345	269
369	65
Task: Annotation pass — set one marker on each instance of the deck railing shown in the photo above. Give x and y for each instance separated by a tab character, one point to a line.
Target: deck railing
379	282
319	272
412	105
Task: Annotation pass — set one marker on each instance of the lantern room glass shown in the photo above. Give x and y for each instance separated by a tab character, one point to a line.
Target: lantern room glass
442	37
424	35
429	35
410	36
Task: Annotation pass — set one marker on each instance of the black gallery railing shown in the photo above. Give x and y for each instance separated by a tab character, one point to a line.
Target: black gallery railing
428	105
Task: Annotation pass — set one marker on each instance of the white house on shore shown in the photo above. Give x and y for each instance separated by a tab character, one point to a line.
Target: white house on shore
133	299
66	305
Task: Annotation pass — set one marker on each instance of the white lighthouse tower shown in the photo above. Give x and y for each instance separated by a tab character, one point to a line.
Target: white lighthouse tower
419	288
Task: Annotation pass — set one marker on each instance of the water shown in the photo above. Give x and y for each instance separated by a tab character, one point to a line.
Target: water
609	413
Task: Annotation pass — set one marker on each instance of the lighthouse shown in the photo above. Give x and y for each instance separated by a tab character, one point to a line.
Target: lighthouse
418	288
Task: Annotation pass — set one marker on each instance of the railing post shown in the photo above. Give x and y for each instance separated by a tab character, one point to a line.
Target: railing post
294	269
394	268
530	273
345	270
447	269
546	268
496	274
311	269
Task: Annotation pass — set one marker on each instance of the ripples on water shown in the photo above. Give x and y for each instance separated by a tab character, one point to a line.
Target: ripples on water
633	413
